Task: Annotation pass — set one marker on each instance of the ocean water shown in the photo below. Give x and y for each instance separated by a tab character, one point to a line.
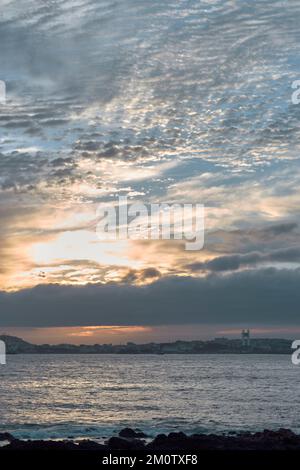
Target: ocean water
75	396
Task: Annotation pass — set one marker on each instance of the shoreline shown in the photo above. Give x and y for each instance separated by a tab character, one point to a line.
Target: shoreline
219	353
135	440
277	346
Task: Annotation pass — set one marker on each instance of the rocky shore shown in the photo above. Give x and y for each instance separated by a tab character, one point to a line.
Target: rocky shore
135	440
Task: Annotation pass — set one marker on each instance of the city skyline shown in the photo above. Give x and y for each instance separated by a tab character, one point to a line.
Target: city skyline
140	335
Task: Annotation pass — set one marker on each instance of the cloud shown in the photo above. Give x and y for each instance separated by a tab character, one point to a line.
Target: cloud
280	229
267	296
141	276
92	114
234	262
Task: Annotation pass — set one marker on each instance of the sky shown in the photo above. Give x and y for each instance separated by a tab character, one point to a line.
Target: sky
181	101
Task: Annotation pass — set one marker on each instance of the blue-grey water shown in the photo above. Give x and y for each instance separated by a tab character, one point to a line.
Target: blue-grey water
61	396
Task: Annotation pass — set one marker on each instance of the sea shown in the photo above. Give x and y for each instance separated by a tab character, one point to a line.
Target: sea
95	396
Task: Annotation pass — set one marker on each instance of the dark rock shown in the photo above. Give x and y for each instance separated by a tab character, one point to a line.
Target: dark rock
41	445
90	445
283	439
129	433
175	440
160	441
177	435
118	443
6	436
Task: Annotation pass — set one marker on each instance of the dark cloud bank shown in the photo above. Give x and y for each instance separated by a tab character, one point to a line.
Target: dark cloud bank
267	296
233	262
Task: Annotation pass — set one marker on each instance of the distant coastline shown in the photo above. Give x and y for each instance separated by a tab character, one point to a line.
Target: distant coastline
16	345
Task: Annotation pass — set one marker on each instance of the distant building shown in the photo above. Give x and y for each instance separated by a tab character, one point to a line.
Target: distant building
246	338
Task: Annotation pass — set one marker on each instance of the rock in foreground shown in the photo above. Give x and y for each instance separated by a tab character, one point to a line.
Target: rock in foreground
283	439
